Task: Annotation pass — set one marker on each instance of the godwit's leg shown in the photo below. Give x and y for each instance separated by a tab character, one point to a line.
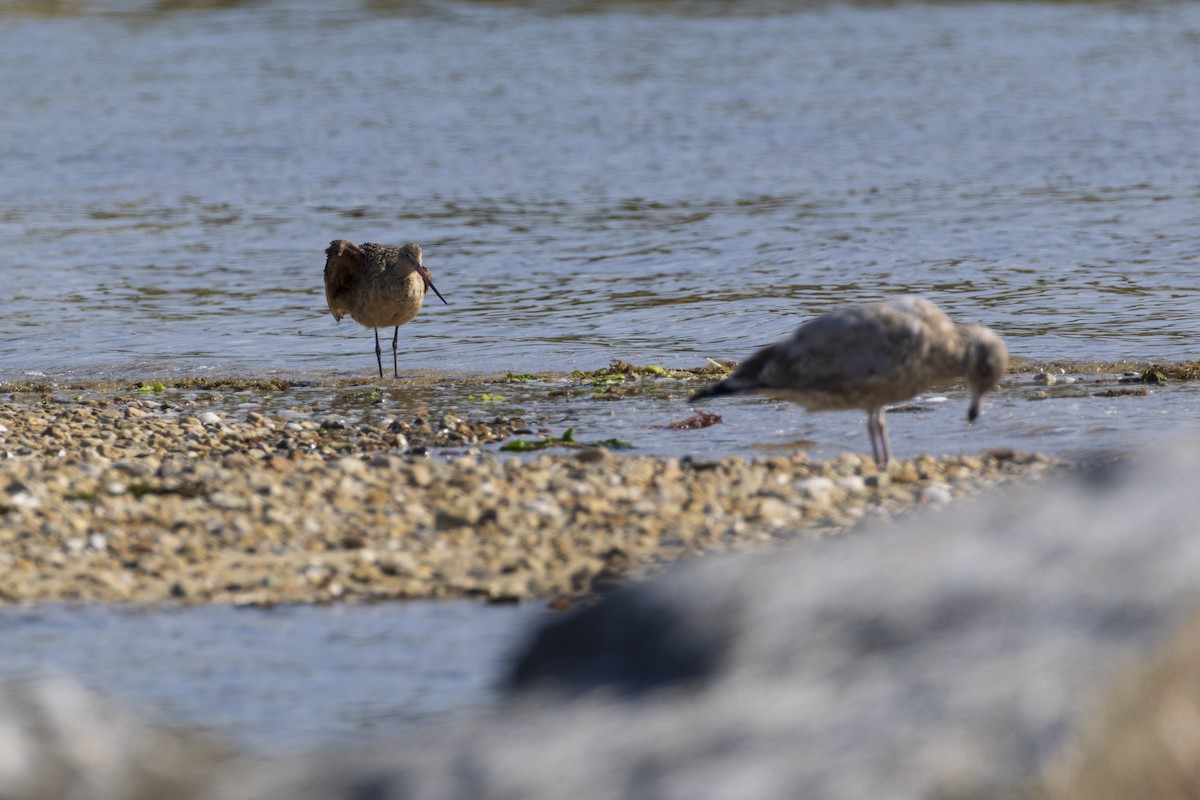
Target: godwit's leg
378	353
395	338
881	425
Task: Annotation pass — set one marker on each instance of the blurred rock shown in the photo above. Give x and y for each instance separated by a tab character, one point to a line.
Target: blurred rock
59	741
1041	643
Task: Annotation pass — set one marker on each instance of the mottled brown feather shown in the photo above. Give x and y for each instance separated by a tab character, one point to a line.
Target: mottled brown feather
343	268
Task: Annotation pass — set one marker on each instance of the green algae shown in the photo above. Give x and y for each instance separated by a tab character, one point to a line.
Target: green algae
566	440
525	445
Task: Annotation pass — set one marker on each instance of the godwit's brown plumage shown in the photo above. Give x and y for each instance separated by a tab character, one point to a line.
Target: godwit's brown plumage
868	356
377	285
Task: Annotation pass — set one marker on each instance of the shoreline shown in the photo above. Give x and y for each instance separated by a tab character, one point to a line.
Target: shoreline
152	496
282	380
260	491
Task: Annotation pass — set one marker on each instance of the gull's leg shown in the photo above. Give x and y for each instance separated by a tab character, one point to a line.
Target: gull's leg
887	447
872	434
395	338
378	353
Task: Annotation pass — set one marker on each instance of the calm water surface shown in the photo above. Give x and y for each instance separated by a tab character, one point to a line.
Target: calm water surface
278	679
657	182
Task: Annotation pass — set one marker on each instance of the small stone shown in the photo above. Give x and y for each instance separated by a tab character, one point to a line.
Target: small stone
879	480
1045	378
21	495
386	461
228	501
460	514
210	418
398	564
852	484
421	475
818	489
774	511
350	465
936	494
592	455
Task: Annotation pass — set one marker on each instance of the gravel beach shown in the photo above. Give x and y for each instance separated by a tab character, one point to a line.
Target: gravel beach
156	494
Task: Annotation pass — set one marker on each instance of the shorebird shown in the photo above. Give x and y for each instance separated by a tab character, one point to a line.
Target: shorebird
377	285
868	356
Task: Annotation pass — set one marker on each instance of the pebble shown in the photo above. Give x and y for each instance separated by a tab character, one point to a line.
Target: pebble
190	505
819	489
936	494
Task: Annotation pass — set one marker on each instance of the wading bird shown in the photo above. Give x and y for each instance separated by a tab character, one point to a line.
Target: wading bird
868	356
377	285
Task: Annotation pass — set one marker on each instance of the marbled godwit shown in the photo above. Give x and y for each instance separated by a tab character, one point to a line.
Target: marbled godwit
378	286
868	356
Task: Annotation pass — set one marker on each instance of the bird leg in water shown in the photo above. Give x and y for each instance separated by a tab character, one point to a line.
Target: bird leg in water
883	439
877	429
395	338
378	353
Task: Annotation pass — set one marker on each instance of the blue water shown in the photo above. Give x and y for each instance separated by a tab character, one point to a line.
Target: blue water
273	680
657	182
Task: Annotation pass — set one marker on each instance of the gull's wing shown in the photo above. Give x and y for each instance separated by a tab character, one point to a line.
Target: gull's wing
846	356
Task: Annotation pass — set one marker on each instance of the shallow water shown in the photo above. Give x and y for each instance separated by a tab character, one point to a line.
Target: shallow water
297	677
1081	417
658	182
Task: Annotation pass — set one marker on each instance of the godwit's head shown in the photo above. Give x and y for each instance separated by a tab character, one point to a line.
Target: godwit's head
411	253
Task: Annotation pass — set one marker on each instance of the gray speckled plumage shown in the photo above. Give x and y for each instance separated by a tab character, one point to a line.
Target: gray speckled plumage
870	355
377	285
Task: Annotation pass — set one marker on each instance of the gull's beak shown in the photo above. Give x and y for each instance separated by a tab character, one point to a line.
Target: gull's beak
424	273
976	402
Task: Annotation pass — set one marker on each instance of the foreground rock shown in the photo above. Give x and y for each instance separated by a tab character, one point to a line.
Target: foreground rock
1038	644
60	741
955	656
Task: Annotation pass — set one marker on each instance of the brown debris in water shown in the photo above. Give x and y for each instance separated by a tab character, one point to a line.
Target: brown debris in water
1145	371
1122	393
701	419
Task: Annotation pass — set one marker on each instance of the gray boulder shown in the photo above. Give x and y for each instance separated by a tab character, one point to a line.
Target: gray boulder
961	654
1040	642
59	741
